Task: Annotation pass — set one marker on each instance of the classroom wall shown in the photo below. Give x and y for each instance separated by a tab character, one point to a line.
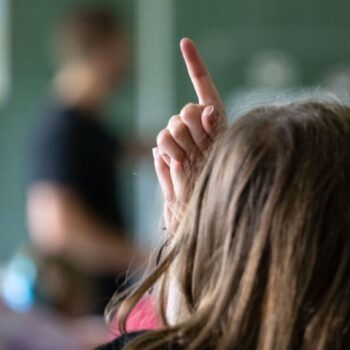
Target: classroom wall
231	34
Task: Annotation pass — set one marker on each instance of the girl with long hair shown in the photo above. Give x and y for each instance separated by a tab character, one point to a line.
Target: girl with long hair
258	218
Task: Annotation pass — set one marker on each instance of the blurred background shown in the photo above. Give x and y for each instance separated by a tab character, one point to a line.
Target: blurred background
256	50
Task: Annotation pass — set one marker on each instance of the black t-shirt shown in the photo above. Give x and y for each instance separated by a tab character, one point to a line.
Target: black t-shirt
71	148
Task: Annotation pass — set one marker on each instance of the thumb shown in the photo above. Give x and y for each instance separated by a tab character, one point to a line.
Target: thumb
211	121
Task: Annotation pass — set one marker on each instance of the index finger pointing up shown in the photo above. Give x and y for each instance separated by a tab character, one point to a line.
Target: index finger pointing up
199	75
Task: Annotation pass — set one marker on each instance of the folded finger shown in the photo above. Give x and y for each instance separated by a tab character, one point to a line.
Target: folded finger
178	176
167	146
191	115
164	177
182	136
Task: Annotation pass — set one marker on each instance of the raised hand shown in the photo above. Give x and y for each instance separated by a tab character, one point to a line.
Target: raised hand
182	145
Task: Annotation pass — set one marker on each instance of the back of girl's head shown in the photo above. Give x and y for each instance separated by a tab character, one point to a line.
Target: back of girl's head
261	259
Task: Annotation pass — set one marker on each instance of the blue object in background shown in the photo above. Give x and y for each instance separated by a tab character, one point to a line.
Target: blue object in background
17	283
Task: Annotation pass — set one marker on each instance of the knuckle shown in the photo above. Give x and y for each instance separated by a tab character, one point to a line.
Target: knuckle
178	130
190	110
173	120
187	118
163	137
190	105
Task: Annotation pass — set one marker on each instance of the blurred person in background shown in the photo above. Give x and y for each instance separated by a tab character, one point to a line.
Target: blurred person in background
72	206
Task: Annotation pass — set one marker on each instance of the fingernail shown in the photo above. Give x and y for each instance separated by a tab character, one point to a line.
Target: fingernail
209	113
154	152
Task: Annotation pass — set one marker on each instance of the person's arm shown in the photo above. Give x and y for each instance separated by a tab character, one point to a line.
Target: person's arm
60	224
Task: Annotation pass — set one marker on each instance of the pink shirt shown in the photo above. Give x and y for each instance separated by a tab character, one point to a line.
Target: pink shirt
142	317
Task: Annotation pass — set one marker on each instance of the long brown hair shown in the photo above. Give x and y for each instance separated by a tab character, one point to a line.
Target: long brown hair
261	259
